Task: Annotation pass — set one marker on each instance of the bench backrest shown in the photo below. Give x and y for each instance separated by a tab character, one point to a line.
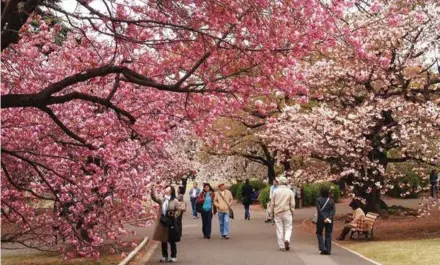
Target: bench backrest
367	223
369	220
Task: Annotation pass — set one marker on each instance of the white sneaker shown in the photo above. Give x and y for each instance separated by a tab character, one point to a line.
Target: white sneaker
163	259
172	260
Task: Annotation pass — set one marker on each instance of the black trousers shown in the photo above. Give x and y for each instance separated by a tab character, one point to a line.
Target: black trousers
325	244
173	247
345	231
207	223
434	189
246	211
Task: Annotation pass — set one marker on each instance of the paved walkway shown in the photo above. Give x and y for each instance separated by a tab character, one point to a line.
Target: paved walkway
252	242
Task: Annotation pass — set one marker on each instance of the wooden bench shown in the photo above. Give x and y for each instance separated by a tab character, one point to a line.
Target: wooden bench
365	226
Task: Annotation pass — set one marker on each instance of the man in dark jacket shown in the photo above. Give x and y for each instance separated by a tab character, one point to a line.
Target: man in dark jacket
246	194
433	179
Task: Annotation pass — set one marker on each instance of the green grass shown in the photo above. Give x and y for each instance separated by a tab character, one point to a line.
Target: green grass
41	258
407	252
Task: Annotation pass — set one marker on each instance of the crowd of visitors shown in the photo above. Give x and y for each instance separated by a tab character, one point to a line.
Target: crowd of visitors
280	211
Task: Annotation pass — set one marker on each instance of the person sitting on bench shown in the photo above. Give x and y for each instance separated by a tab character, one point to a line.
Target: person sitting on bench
358	214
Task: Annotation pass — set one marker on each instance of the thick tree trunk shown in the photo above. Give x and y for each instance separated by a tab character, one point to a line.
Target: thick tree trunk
375	204
381	142
270	172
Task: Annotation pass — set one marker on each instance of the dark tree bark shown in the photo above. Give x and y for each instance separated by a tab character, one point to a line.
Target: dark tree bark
271	172
381	141
13	18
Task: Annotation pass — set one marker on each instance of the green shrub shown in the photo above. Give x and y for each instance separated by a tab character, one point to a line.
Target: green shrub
239	190
234	189
307	195
263	198
311	192
407	187
257	184
336	192
238	187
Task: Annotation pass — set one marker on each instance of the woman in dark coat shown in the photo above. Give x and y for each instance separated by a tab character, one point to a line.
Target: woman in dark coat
246	194
326	213
207	209
168	230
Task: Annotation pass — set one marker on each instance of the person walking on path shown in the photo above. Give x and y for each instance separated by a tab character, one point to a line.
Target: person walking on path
326	213
433	179
222	203
206	200
282	208
272	189
181	190
358	214
246	194
194	193
167	229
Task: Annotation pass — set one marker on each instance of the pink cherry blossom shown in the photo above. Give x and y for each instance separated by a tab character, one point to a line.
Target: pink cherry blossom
94	100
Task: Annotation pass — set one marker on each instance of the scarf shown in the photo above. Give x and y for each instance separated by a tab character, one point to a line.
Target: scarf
165	204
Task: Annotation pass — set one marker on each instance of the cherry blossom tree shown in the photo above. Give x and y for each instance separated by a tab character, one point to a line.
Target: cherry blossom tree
374	97
229	168
237	135
90	96
182	156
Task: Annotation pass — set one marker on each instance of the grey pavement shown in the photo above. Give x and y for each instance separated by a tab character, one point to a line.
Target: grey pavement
253	242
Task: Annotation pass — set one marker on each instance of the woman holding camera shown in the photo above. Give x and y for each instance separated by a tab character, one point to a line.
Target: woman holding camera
168	230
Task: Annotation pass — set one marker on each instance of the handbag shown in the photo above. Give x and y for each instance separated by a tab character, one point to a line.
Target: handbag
231	212
199	204
315	218
199	207
173	234
166	221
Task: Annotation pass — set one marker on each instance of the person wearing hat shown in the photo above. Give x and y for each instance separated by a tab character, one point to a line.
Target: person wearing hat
282	208
222	202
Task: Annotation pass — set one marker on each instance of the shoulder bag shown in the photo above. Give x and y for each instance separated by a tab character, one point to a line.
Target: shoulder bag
315	218
231	213
167	219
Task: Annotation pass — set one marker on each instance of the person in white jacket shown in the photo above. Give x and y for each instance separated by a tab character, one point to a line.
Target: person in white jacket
282	208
